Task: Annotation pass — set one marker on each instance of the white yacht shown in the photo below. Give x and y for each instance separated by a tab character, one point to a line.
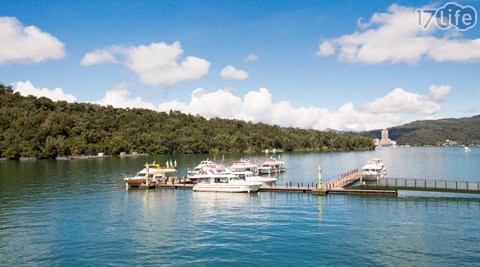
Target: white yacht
204	165
251	177
243	165
373	170
225	182
272	166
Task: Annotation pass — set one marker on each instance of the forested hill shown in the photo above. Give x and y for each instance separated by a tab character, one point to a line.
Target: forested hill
39	127
465	131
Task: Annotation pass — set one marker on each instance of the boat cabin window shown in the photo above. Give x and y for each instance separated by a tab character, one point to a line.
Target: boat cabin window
221	180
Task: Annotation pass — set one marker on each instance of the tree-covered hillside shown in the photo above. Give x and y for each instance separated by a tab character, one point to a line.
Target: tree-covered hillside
39	127
464	131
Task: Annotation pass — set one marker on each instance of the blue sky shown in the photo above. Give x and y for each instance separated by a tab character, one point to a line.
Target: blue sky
397	74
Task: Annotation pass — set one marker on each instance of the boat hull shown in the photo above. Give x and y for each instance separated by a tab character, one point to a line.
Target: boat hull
229	188
138	182
270	171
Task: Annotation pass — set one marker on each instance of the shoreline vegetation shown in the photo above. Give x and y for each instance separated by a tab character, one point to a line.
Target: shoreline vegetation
41	128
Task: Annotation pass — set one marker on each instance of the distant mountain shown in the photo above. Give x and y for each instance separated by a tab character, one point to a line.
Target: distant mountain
463	131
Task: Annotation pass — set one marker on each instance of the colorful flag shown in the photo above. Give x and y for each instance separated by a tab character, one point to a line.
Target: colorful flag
175	163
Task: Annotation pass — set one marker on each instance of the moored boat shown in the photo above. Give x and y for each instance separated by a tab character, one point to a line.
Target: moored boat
153	172
226	182
243	165
251	177
204	166
272	166
374	170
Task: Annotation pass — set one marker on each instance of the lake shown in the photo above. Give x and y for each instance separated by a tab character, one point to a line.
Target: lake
78	213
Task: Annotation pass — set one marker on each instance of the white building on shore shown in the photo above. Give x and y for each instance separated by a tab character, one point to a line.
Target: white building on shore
385	141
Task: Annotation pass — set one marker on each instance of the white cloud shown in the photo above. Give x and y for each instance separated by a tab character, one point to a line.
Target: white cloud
470	110
231	73
257	106
401	101
101	56
119	97
326	48
395	37
155	64
251	58
439	93
56	94
29	44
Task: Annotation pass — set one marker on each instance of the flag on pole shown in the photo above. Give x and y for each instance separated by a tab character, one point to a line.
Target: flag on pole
223	157
166	164
175	163
171	163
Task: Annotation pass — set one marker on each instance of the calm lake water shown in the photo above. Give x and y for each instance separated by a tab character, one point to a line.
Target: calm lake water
76	213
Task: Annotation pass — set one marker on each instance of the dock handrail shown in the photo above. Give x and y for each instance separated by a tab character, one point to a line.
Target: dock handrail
344	179
439	185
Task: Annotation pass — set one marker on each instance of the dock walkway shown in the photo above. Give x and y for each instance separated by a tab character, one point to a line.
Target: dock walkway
350	183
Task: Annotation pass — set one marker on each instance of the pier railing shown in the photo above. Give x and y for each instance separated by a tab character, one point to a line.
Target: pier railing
344	179
435	185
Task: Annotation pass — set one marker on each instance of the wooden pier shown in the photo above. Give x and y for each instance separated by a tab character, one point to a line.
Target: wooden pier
350	183
335	186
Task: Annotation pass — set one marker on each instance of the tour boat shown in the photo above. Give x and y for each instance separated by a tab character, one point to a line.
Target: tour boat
226	182
373	170
251	177
272	165
154	172
203	166
243	165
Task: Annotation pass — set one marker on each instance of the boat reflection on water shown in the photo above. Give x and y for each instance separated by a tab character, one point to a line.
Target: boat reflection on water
320	209
222	199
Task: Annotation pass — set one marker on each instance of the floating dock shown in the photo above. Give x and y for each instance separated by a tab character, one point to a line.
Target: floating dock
337	186
350	183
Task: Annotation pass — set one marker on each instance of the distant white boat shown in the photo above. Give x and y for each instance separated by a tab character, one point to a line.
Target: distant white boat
204	166
374	170
466	149
244	165
271	166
